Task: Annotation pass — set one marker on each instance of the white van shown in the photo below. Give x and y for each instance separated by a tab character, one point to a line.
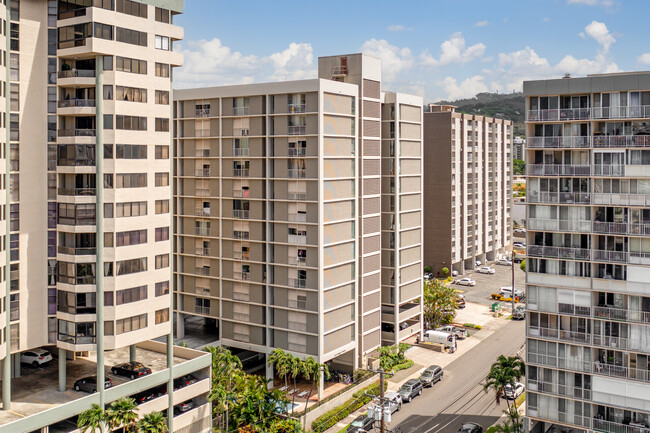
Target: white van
440	337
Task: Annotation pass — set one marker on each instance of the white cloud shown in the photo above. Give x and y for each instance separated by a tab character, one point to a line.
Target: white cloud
294	63
599	32
466	89
481	23
453	50
546	19
592	2
398	28
644	59
393	59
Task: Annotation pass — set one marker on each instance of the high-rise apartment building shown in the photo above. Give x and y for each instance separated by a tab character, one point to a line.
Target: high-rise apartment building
88	220
588	258
518	148
468	188
279	214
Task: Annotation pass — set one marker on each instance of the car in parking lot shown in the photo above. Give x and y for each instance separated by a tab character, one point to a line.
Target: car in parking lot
519	259
411	389
486	270
460	333
478	263
144	396
428	276
360	424
131	369
506	292
454	273
184	381
35	357
519	313
460	301
431	375
504	262
470	427
519	244
89	384
519	230
184	406
511	393
466	282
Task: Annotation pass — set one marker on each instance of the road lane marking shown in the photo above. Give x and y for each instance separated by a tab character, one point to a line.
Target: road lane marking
16	413
432	427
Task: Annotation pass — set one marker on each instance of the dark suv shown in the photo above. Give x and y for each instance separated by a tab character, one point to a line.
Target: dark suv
431	375
470	427
411	389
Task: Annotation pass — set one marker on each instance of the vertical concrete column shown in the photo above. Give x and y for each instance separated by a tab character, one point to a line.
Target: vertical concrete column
172	260
6	363
321	385
16	364
269	372
62	369
180	325
132	352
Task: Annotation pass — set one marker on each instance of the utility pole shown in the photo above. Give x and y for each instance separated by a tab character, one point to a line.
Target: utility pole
513	279
382	399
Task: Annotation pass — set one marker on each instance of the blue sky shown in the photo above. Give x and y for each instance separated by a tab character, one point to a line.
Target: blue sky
437	49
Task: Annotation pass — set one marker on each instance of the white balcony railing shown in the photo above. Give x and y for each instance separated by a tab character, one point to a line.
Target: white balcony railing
239	213
558	114
297	282
202	112
240	151
297	151
198	309
558	169
296	108
621	141
622	199
241	172
621	228
202	172
558	225
297	239
293	195
558	252
632	112
202	231
558	197
241	111
609	170
296	129
568	142
298	217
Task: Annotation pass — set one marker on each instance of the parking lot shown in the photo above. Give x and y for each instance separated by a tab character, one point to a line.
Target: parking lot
487	284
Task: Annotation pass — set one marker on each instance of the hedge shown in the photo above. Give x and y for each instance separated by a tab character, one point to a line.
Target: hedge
403	366
471	325
358	400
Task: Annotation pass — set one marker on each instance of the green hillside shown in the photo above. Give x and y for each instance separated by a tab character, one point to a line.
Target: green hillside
508	106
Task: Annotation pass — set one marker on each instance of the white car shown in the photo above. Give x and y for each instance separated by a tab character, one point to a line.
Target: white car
478	263
460	333
466	282
504	262
519	245
428	276
520	230
506	292
454	273
486	270
35	357
513	394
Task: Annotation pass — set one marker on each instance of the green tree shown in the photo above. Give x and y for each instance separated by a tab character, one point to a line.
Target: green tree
123	412
92	419
439	301
295	369
505	371
522	265
427	269
518	167
153	422
225	367
281	361
286	426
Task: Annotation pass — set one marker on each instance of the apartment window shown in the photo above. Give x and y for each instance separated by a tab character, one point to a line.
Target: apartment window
132	37
241	312
162	179
241	332
297	342
162	206
162	234
133	237
162	43
134	66
76	303
162	316
162	261
132	123
103	31
132	266
70	36
131	94
76	333
130	324
71	214
133	294
297	299
130	151
131	209
162	70
162	288
162	124
162	152
131	8
131	180
163	15
162	97
14	95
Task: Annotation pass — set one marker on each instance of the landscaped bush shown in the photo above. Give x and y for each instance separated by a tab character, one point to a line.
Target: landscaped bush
445	271
361	374
358	400
471	326
403	365
390	356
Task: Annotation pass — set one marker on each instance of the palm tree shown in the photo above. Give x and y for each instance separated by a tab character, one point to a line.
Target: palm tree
122	412
280	360
439	299
92	419
225	366
295	369
312	371
153	422
506	427
504	373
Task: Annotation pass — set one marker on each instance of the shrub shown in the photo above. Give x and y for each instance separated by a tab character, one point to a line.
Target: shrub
403	366
427	269
471	326
448	319
445	271
358	400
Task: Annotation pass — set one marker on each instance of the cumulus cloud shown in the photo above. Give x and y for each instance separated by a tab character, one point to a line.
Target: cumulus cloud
454	50
294	63
397	28
393	59
466	89
644	59
481	23
598	31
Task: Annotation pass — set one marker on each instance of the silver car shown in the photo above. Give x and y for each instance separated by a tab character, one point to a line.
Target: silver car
460	333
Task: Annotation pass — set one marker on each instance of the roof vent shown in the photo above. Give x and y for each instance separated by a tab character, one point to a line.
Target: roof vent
567	75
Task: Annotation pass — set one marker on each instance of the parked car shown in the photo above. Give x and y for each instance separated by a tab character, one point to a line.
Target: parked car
519	245
466	282
460	301
470	427
520	230
392	400
411	389
519	259
89	384
460	333
35	357
454	273
428	276
184	407
504	262
507	292
360	423
519	313
511	393
486	270
144	396
478	263
131	369
431	375
184	381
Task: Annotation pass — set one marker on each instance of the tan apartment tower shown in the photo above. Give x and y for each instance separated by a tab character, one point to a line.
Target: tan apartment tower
468	188
588	265
88	234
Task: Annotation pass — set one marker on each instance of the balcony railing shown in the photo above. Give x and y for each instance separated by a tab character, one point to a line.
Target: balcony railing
296	195
240	151
609	170
622	199
632	112
203	251
241	172
297	282
621	141
241	111
239	213
245	276
298	304
202	153
621	314
297	326
83	73
296	173
241	193
241	255
554	388
87	251
558	114
77	191
240	132
298	217
76	132
620	371
558	169
202	192
202	231
198	309
202	132
240	234
297	151
559	334
202	172
559	197
558	252
614	427
296	108
202	112
202	211
67	103
296	129
632	257
574	310
621	228
202	271
300	260
297	239
559	225
568	142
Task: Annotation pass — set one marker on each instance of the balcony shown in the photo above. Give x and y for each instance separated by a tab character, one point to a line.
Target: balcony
622	372
240	132
77	191
240	234
297	151
574	310
547	224
300	261
202	132
201	231
621	228
558	170
559	334
202	172
621	141
69	103
297	239
554	388
558	114
74	251
622	199
199	309
296	173
296	195
621	314
298	282
614	427
558	252
241	193
241	172
298	217
296	108
202	251
296	129
202	112
240	151
76	132
244	276
632	257
633	112
202	211
74	73
202	192
569	142
241	111
241	255
241	214
559	197
203	271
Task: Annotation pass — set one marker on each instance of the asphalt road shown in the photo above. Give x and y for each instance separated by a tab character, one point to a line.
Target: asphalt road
459	396
486	284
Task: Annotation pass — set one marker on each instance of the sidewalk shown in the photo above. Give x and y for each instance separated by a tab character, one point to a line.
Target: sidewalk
422	357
